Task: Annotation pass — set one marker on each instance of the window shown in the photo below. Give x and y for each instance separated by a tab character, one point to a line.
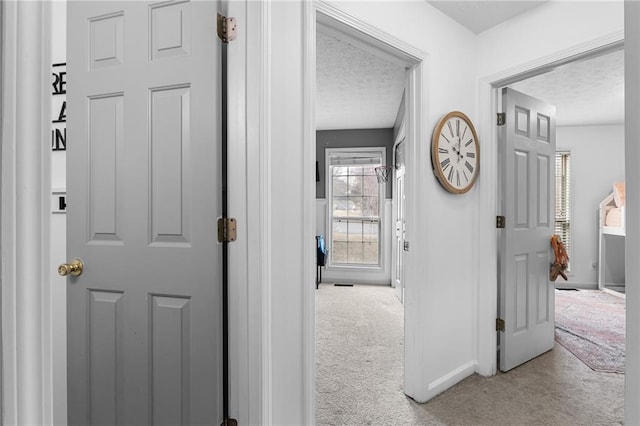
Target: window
355	206
563	200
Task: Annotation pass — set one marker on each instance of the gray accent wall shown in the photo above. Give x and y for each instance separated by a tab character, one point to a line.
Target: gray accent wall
358	138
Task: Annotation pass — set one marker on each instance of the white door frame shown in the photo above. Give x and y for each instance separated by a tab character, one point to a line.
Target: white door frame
25	214
415	111
489	99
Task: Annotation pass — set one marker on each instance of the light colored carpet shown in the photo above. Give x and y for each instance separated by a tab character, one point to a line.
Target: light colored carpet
359	371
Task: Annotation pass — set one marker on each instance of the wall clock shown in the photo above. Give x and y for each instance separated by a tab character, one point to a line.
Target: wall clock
455	152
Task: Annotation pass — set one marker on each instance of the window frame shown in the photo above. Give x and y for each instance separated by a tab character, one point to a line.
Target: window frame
569	203
377	152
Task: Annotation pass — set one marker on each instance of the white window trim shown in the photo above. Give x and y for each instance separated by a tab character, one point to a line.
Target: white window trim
329	197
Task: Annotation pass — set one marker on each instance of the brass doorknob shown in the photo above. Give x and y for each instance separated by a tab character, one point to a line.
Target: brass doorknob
74	268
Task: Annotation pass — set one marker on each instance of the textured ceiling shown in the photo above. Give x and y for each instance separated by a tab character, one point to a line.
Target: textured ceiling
359	90
481	15
355	88
589	92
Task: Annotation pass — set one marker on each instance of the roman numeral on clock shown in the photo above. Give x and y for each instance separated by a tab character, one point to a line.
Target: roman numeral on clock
469	166
443	151
471	154
450	128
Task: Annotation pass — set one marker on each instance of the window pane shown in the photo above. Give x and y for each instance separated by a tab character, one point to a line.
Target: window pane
340	206
340	171
340	185
355	170
339	252
371	187
355	206
355	185
355	253
355	231
370	206
340	231
369	170
371	253
370	233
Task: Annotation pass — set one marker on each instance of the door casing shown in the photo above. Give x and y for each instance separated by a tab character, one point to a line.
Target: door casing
489	192
401	53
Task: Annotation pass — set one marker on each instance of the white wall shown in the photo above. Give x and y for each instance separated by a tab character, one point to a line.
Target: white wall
597	160
556	26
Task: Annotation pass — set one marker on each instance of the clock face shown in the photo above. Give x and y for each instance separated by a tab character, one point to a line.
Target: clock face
455	153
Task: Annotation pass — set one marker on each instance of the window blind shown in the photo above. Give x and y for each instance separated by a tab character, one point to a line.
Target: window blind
355	159
563	200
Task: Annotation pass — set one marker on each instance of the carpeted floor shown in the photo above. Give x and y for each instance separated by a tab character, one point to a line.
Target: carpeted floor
591	325
359	375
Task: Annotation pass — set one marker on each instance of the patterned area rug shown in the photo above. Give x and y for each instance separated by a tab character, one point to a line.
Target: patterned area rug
591	325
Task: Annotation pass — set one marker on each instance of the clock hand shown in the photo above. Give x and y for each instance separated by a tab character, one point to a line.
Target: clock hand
457	153
458	150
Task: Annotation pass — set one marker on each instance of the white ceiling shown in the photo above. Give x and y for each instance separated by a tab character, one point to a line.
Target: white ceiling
481	15
357	89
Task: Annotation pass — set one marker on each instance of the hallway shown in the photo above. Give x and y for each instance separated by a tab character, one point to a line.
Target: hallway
359	371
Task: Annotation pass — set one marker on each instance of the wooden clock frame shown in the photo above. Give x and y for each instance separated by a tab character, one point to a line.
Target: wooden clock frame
435	164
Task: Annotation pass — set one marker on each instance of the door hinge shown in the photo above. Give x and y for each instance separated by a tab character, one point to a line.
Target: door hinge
502	118
227	230
226	28
500	222
499	324
229	422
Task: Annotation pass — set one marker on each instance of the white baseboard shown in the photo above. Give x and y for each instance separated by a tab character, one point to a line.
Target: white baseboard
445	382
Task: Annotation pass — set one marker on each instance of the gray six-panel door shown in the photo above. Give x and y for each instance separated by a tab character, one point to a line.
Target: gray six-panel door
527	145
144	318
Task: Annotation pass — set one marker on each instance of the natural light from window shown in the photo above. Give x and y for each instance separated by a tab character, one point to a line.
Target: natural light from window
355	209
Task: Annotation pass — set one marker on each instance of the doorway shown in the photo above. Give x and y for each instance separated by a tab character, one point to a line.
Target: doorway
586	171
345	34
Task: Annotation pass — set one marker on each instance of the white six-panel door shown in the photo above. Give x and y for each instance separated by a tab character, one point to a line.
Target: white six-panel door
527	146
144	319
